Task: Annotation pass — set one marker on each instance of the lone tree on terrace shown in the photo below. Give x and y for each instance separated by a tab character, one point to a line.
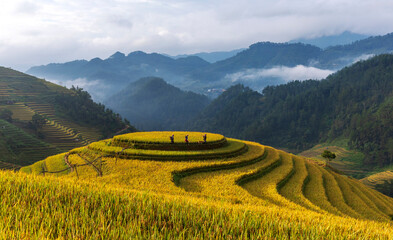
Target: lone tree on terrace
328	155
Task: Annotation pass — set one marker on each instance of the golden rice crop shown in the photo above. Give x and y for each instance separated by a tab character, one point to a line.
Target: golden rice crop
266	186
365	198
139	199
36	208
315	191
354	201
148	174
221	184
293	189
53	164
384	203
106	147
335	196
163	137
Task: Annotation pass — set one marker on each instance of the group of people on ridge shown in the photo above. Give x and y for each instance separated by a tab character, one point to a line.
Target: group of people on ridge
172	138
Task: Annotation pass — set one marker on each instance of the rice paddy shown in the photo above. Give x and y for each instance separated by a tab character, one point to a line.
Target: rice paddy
258	193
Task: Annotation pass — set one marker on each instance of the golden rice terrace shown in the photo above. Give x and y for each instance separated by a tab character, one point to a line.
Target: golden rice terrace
265	192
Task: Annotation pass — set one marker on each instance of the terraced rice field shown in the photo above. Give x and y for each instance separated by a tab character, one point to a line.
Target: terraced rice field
61	133
84	135
33	149
378	178
5	165
234	172
19	111
20	86
5	90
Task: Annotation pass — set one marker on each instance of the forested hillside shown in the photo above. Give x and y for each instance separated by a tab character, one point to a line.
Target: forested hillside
152	104
355	103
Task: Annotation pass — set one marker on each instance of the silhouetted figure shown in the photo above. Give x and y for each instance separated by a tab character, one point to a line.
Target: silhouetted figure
204	138
186	139
172	138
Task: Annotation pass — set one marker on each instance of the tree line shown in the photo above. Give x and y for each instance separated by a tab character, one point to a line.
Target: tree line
79	107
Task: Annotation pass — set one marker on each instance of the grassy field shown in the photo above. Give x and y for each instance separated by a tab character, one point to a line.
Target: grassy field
262	193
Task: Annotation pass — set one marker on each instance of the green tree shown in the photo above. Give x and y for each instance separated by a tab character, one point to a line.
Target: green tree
328	155
6	114
37	121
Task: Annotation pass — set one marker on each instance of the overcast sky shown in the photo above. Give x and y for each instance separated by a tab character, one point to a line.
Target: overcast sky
38	32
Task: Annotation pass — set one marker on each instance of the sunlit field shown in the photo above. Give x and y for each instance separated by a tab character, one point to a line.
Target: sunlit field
258	193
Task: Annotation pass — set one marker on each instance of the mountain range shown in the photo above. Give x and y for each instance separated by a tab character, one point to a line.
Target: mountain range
255	66
211	57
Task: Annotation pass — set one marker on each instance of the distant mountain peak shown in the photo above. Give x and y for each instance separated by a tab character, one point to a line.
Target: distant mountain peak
146	81
136	54
117	55
96	60
285	44
211	57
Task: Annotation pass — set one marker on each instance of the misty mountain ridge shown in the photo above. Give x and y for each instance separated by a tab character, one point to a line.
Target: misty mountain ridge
211	57
260	65
152	104
323	42
114	73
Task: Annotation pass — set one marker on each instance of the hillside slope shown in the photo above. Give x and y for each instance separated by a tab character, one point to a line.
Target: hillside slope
152	104
39	118
354	103
227	181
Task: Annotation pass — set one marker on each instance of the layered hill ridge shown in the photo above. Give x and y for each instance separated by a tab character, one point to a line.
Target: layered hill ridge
157	105
239	173
39	119
195	74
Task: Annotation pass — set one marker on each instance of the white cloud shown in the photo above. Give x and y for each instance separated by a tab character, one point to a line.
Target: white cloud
42	31
299	72
363	57
96	88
